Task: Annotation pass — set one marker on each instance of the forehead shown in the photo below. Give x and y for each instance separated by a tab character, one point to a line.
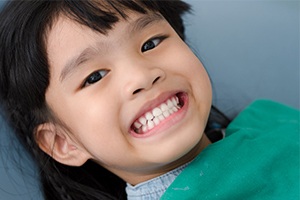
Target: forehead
64	26
81	41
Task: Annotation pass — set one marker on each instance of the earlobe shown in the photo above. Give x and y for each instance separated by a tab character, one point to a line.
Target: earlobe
57	144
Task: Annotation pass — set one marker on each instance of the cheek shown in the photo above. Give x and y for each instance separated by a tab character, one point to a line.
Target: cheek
191	67
181	58
197	74
95	114
95	126
201	82
86	116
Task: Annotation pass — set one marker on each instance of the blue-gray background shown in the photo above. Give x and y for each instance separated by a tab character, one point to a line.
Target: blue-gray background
250	49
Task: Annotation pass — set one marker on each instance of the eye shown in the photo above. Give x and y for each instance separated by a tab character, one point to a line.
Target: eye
95	77
152	43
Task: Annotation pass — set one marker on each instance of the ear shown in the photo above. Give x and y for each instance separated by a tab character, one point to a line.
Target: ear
57	144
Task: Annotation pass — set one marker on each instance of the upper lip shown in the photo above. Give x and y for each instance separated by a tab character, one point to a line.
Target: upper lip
149	105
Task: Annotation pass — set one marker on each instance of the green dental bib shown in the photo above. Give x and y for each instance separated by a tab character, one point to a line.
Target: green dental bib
258	159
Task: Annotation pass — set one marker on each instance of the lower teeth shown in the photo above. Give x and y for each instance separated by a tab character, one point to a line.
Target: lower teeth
144	128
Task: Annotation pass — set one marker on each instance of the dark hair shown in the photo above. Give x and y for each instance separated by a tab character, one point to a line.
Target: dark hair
24	78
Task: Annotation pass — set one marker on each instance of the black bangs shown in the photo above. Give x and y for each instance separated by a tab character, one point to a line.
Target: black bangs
102	15
99	15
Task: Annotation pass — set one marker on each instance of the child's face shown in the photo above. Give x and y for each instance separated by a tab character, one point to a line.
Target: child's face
101	85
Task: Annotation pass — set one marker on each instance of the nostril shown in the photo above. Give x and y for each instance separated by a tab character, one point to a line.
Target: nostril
140	89
155	80
137	91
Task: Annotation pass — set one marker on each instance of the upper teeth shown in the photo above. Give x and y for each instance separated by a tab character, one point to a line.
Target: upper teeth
158	114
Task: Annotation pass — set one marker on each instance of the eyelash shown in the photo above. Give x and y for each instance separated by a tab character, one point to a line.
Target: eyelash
98	75
148	46
95	77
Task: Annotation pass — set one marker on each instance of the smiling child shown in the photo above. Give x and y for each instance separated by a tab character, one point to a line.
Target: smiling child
104	93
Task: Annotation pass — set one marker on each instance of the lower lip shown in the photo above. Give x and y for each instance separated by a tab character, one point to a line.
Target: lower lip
169	122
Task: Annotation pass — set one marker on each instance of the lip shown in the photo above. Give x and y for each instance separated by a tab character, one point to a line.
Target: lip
156	102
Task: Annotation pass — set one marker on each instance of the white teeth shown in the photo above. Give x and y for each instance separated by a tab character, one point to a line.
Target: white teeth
161	117
137	125
175	109
166	113
170	104
144	128
156	121
156	112
157	115
150	125
164	107
175	101
149	116
143	120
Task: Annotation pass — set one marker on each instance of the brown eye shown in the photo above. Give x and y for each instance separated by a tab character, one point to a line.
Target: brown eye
95	77
152	43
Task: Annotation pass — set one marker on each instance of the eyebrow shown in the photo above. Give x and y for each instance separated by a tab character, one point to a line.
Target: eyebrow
145	21
73	64
139	24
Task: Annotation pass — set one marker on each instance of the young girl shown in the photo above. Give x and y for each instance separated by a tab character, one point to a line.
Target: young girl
113	104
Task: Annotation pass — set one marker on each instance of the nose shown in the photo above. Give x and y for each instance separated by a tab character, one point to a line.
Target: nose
146	85
142	78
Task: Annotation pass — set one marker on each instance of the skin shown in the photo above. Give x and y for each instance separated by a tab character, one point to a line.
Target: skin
99	115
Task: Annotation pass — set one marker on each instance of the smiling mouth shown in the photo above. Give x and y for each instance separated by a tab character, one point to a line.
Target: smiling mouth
158	114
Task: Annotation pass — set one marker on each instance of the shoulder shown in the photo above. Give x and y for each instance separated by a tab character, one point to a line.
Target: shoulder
259	153
266	115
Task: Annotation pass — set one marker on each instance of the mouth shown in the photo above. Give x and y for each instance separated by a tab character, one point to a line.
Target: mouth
159	114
